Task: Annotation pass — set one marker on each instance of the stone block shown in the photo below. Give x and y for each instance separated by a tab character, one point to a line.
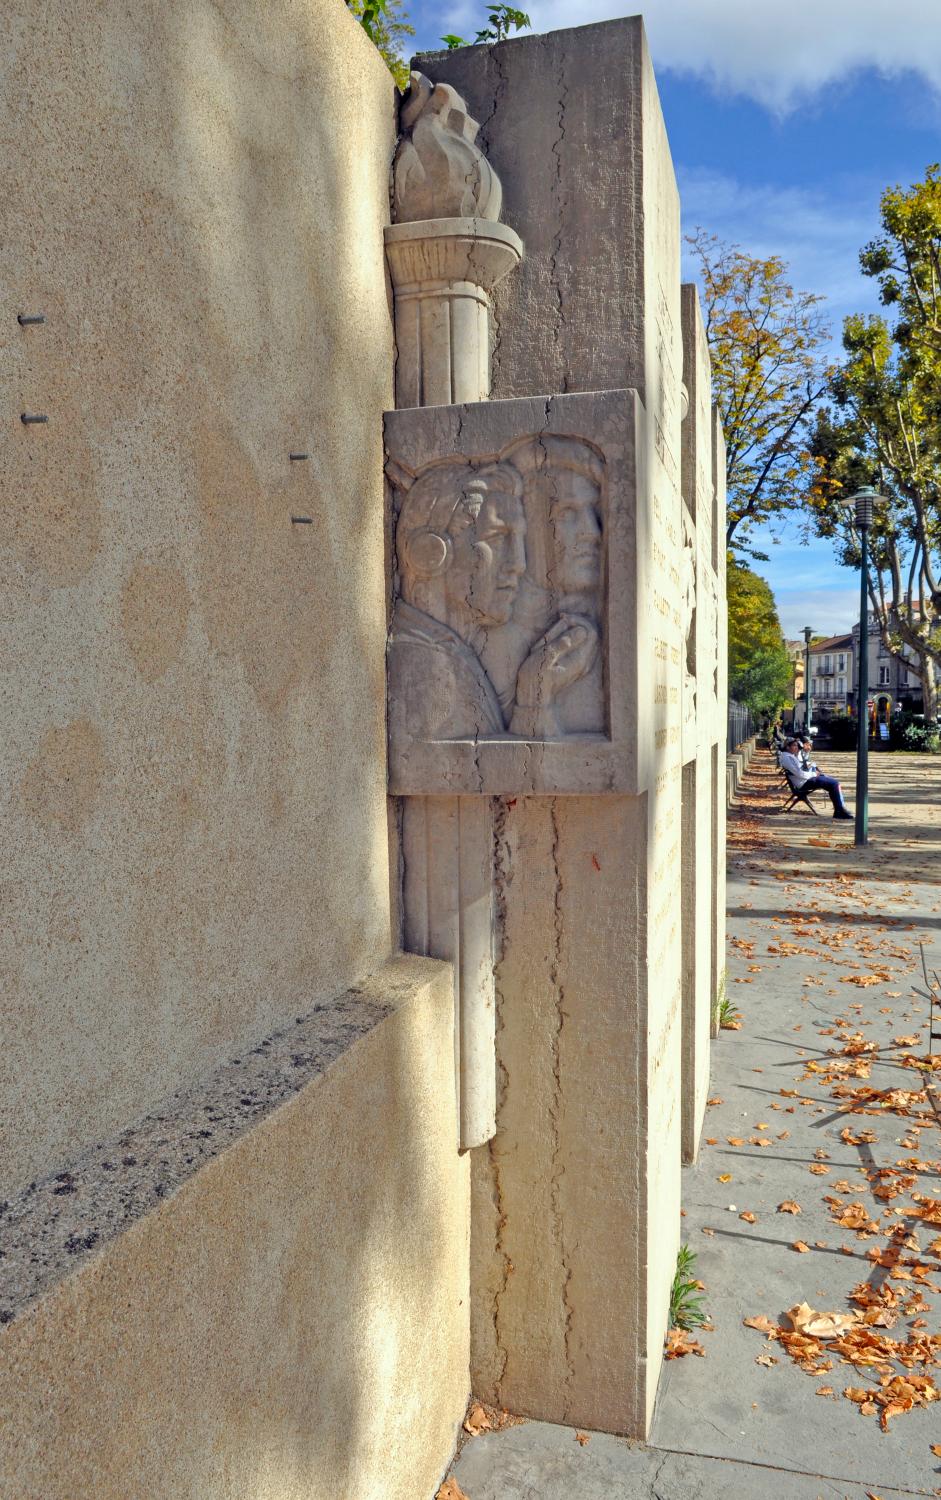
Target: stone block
571	123
193	748
576	1199
277	1312
549	673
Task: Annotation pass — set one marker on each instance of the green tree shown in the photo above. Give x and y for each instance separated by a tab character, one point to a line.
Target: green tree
883	427
386	23
769	372
760	672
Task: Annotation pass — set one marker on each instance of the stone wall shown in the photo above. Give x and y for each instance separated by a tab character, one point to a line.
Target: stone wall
193	757
602	1053
290	1321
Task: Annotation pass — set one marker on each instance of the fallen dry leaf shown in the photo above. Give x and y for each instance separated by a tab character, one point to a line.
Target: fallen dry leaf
767	1360
679	1342
477	1420
451	1490
800	1247
748	1217
763	1324
583	1438
825	1390
789	1207
818	1169
818	1325
725	1177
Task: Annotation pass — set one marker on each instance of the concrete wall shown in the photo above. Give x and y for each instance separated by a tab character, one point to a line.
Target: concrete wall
291	1323
193	765
575	1221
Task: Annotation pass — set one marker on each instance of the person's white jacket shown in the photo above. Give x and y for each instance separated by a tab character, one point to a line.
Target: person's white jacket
793	769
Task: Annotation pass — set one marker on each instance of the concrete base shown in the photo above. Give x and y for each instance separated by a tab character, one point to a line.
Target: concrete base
289	1323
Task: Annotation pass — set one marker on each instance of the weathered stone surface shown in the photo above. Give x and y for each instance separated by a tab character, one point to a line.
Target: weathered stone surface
703	724
572	125
527	606
439	172
575	1217
193	748
290	1321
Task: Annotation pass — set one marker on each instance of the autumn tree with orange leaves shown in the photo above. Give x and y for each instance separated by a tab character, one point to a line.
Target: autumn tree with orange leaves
768	371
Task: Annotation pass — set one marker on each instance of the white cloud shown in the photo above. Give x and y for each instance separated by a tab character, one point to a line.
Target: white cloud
818	234
780	51
829	611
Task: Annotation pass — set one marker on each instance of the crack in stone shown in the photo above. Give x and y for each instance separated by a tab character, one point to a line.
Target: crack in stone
496	57
502	877
560	202
555	1107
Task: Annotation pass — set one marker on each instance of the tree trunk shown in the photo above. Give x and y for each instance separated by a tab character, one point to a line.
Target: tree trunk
929	686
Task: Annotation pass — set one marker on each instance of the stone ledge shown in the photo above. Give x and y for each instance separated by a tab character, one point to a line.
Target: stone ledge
61	1222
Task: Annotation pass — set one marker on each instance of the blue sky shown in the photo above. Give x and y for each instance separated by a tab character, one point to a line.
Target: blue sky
786	121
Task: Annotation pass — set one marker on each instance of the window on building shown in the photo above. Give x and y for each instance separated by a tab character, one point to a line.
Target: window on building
841	662
841	687
826	664
883	676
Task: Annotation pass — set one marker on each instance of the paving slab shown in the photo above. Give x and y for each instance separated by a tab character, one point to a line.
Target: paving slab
823	961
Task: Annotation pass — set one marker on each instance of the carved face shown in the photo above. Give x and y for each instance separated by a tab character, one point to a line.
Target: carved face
575	527
489	558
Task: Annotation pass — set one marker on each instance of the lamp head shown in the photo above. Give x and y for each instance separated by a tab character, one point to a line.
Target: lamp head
864	502
808	634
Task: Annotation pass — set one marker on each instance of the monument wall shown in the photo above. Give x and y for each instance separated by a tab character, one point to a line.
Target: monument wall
576	1197
193	756
235	1227
343	1183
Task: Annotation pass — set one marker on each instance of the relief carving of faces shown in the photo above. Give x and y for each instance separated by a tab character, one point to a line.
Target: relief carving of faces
461	544
575	525
508	554
563	481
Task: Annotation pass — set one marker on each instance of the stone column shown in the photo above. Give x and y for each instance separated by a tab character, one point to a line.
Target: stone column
719	805
443	270
575	1222
702	728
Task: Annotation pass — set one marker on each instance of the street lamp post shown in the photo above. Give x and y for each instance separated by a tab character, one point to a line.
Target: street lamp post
864	502
808	700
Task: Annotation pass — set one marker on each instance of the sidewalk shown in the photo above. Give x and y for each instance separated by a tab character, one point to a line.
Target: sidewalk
816	1102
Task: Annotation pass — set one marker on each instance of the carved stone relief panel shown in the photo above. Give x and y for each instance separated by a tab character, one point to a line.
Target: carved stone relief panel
514	637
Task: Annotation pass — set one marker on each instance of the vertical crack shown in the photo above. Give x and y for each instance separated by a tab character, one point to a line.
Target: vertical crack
555	1107
502	877
560	198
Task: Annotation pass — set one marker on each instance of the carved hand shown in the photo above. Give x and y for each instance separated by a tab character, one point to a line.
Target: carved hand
563	655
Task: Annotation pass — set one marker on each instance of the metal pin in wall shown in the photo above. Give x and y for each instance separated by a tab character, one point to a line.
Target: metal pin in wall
28	418
302	520
297	458
24	319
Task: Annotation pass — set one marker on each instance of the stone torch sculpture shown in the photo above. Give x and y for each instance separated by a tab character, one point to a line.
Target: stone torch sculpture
446	251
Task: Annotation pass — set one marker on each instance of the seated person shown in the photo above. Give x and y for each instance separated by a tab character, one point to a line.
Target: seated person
801	777
806	751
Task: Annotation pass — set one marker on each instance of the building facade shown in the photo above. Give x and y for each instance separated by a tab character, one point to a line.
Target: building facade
893	682
832	675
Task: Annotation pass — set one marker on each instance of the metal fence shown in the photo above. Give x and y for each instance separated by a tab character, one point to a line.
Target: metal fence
741	725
